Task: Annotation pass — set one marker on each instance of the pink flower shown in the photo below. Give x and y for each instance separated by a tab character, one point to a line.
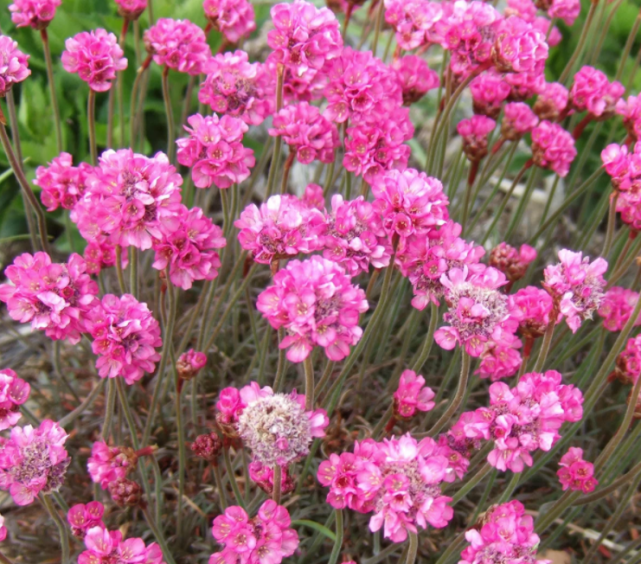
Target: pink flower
186	247
100	253
214	151
577	286
542	24
264	539
83	517
415	77
630	109
3	529
35	13
506	534
552	101
532	308
238	88
190	363
509	261
314	197
424	257
264	477
566	10
617	306
553	148
179	44
628	363
409	201
518	119
412	21
95	56
14	391
361	88
107	546
54	297
519	47
208	447
412	395
317	304
235	19
575	473
13	65
131	9
33	461
354	236
127	194
475	132
489	91
62	184
309	135
125	337
229	407
304	37
524	85
282	227
107	465
524	9
591	91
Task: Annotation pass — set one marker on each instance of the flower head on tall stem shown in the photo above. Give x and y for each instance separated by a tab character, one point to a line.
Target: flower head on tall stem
628	364
208	447
95	56
412	21
103	545
575	473
518	119
61	183
519	47
489	91
524	85
617	306
110	464
14	392
553	148
591	91
533	308
82	517
512	262
552	101
630	110
566	10
35	13
235	19
13	65
475	132
412	395
263	476
131	9
190	363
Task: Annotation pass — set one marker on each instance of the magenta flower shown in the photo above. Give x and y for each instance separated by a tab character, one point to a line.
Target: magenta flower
13	65
628	363
630	109
424	257
309	134
591	91
412	395
125	337
524	85
553	148
282	227
575	473
475	132
131	9
3	529
186	247
552	101
263	477
208	447
525	418
33	461
14	391
107	465
35	13
412	21
314	197
264	539
54	297
518	119
214	151
316	303
61	183
238	88
107	546
519	47
235	19
179	44
524	9
409	201
542	24
489	91
126	197
566	10
304	37
533	308
577	286
354	237
100	253
95	57
83	517
511	262
415	77
190	363
506	534
617	306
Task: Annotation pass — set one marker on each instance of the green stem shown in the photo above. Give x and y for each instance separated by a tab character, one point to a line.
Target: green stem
309	383
429	340
232	479
52	89
160	539
377	29
133	271
91	121
579	48
338	543
458	398
271	177
110	403
86	404
278	479
412	548
545	346
171	146
471	484
133	111
119	274
60	525
282	363
525	198
509	489
219	486
182	454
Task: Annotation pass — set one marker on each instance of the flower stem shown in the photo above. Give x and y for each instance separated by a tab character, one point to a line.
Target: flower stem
509	489
159	537
119	274
91	121
579	48
271	177
221	489
612	216
170	114
52	89
471	483
458	398
110	403
309	383
338	543
232	478
413	548
545	346
133	111
133	271
182	454
429	340
278	478
282	363
87	403
288	165
60	525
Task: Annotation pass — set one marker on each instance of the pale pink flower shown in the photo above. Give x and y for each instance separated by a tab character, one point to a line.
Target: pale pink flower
518	119
489	91
214	151
475	132
83	517
314	197
35	13
412	395
415	77
3	529
617	306
107	465
95	57
552	101
591	91
519	47
13	65
235	19
317	304
62	184
630	109
190	363
14	391
108	546
131	9
553	148
179	44
512	262
575	473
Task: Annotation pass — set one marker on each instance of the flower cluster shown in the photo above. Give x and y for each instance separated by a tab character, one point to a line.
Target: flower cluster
397	479
624	168
263	476
552	147
506	534
131	9
628	363
95	56
235	19
54	297
62	184
525	418
33	461
125	337
617	306
264	538
511	262
186	247
354	237
552	101
190	363
412	395
214	151
412	21
489	91
591	91
577	286
630	109
518	119
415	77
519	47
13	65
35	13
108	465
575	473
475	132
14	391
236	87
179	44
316	303
83	517
207	447
108	546
533	308
282	227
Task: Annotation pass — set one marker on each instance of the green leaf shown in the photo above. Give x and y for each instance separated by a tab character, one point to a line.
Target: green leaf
322	529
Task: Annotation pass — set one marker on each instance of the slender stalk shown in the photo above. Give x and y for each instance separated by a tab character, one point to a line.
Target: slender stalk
182	453
119	274
288	165
52	89
579	48
169	113
458	398
545	346
604	492
159	537
377	29
110	403
4	559
327	373
525	198
133	111
278	478
232	479
271	177
86	404
60	525
309	383
338	543
550	199
509	489
471	483
429	340
282	362
609	234
91	121
219	486
133	271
